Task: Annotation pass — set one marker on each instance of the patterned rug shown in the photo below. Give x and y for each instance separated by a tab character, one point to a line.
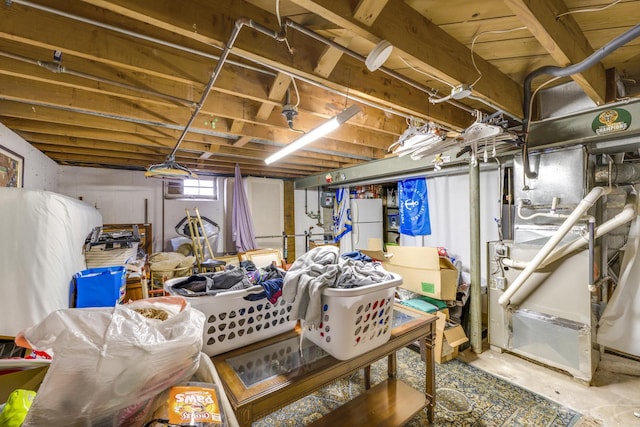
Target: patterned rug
465	396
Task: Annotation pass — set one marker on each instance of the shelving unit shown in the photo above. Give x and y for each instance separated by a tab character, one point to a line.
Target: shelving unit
391	216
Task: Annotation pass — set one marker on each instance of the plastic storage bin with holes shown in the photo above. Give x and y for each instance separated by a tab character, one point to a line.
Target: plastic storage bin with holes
355	320
234	319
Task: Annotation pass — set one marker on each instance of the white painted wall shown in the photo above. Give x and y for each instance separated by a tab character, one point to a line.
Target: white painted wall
304	222
266	202
128	197
40	172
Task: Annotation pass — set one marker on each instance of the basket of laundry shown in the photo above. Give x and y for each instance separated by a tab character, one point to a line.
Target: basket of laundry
354	320
236	317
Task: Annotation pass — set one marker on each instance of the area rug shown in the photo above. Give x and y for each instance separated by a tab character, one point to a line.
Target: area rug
465	396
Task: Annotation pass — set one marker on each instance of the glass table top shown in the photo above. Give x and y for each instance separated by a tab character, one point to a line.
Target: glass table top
283	357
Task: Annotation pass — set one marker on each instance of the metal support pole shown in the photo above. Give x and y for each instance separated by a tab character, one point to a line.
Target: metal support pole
285	246
474	231
307	236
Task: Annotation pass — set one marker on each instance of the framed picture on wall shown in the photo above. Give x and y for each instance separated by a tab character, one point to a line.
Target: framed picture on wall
11	168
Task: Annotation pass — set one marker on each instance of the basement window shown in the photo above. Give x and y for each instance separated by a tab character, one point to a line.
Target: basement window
192	189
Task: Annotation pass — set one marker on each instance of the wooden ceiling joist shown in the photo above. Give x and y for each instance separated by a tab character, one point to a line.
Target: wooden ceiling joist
131	73
563	40
423	42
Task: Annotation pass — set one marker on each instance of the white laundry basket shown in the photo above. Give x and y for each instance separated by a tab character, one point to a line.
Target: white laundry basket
355	320
233	321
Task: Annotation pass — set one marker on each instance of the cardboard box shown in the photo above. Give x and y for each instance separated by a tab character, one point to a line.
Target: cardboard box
423	271
447	339
17	373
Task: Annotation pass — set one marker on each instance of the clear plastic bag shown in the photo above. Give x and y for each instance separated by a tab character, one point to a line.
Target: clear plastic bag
109	363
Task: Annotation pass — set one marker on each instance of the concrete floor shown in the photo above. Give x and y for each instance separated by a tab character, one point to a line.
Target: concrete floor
610	400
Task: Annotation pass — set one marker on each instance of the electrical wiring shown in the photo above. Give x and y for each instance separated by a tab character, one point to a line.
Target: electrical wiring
425	73
473	42
525	148
533	95
295	88
591	9
286	41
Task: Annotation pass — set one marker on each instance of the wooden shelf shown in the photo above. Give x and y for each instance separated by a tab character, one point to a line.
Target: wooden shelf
390	403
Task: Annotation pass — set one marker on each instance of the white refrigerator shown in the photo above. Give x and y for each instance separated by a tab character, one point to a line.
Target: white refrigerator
366	223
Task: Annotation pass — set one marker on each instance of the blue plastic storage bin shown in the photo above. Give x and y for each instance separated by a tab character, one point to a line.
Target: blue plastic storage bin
100	287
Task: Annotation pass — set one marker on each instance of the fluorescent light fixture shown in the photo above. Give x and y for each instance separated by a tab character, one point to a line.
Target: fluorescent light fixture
315	133
169	170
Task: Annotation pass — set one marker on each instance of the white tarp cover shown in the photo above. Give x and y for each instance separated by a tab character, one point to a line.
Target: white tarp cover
620	321
42	235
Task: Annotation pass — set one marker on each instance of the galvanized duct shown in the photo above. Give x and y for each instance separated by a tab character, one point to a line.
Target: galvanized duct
618	173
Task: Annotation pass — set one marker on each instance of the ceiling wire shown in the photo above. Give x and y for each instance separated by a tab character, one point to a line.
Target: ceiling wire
272	70
592	9
473	42
526	131
425	73
286	41
525	145
295	87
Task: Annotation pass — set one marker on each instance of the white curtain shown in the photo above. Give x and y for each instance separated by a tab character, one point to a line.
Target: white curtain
620	322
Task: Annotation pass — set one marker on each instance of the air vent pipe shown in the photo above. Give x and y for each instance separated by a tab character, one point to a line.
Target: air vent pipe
618	173
581	209
588	62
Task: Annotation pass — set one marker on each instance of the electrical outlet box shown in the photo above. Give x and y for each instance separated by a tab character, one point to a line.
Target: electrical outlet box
327	199
501	250
500	283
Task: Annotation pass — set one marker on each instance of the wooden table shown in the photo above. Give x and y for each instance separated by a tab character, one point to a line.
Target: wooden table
268	375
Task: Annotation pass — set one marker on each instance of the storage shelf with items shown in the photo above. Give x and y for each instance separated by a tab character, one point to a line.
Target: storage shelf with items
126	245
391	216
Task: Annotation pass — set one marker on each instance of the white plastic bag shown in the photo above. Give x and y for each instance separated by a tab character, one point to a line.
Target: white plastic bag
109	363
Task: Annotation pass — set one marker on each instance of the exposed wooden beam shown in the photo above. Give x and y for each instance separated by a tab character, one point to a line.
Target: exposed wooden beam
330	57
211	169
367	11
120	141
57	144
419	40
277	91
563	40
242	141
25	91
236	126
258	48
103	63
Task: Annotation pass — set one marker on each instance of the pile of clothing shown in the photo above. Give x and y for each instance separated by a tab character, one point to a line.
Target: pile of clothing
301	285
233	278
323	267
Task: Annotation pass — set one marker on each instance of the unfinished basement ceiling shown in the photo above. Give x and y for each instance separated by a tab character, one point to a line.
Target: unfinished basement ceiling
113	83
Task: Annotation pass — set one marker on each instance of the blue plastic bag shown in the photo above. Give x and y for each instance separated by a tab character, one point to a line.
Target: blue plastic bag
413	201
100	286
